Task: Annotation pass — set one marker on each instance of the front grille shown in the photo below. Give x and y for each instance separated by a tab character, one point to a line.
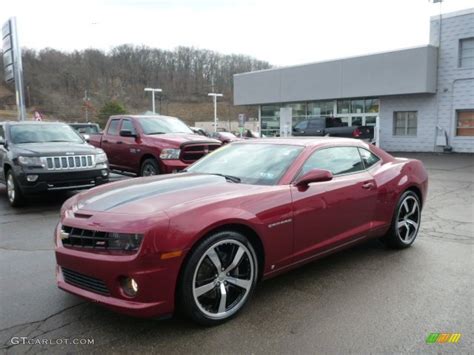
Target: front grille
85	282
97	240
192	152
69	162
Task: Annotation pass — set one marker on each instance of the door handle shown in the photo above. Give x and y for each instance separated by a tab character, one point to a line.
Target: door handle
105	141
368	185
119	142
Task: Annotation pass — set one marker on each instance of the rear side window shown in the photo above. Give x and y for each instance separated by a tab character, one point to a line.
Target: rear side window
113	127
368	158
338	160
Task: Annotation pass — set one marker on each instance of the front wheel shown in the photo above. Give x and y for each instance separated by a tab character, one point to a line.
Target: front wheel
14	194
405	222
149	167
218	278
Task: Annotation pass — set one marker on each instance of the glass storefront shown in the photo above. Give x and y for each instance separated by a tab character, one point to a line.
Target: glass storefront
352	112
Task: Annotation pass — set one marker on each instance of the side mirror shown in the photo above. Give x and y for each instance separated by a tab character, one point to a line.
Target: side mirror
2	141
314	175
127	133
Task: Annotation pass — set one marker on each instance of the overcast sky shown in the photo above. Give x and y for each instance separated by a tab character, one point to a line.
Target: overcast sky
281	32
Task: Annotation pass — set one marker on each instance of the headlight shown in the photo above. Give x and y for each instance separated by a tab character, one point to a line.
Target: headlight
170	153
31	161
124	241
101	158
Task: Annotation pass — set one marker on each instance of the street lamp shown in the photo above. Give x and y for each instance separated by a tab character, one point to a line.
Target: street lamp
214	97
153	96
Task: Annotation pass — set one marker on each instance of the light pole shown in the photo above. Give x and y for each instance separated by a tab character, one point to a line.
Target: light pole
153	96
214	97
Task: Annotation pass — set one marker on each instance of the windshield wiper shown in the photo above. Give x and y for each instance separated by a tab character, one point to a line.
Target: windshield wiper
230	178
155	133
60	140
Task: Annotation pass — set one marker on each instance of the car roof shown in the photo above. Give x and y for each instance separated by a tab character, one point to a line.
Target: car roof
143	116
33	122
304	141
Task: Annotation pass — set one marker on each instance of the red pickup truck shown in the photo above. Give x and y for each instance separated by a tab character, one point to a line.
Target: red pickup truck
151	145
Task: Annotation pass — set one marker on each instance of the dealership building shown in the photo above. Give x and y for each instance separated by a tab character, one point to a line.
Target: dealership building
423	97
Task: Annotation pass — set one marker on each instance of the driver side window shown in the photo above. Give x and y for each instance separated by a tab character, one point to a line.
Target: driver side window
338	160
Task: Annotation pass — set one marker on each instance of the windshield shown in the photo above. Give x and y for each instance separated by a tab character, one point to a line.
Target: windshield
257	164
41	133
86	129
160	125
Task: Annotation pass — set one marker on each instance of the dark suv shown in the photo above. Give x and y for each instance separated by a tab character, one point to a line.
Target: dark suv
38	157
332	126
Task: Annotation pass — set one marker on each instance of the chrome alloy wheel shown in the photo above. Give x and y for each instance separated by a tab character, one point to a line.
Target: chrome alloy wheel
408	219
149	170
11	188
223	279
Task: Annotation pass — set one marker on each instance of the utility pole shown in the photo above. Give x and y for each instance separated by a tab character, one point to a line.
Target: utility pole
153	97
86	105
214	98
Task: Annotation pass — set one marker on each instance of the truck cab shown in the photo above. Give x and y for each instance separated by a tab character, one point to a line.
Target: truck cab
151	145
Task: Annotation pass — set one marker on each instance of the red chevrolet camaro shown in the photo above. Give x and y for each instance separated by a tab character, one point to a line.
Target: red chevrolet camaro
201	240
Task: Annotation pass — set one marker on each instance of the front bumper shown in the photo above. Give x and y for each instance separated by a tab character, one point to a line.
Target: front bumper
169	166
61	180
156	278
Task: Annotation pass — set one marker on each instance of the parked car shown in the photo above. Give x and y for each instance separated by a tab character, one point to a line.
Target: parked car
151	145
86	129
202	239
224	137
332	126
43	157
200	131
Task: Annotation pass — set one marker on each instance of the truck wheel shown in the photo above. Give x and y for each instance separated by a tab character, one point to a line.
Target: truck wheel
149	167
15	197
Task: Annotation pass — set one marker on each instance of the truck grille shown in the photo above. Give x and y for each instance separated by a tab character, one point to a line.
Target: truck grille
85	282
192	152
91	239
69	162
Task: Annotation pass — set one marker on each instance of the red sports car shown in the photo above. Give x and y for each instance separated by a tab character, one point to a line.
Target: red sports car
202	239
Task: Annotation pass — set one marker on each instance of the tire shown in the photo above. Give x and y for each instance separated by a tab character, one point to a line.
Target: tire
224	263
149	167
14	194
405	222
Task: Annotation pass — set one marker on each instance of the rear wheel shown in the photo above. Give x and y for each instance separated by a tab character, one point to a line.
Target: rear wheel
149	167
405	222
14	194
219	278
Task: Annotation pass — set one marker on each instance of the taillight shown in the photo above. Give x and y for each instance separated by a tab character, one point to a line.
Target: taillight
356	133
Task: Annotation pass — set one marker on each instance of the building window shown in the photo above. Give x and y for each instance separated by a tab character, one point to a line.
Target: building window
465	123
405	123
372	105
343	106
466	53
357	106
320	108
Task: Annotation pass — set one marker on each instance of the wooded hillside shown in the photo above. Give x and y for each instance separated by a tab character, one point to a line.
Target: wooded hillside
55	82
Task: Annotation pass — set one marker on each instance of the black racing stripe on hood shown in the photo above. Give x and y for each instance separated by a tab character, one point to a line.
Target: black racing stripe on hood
123	195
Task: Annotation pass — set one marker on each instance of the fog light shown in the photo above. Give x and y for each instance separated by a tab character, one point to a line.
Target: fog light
129	286
32	178
105	172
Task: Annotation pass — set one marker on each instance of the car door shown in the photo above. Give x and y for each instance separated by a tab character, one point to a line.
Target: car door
331	213
109	142
127	147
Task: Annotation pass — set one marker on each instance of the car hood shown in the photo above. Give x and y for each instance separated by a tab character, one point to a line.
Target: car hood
54	148
177	139
159	194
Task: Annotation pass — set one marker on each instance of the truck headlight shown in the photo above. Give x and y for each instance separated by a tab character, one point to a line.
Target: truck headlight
101	158
31	161
170	154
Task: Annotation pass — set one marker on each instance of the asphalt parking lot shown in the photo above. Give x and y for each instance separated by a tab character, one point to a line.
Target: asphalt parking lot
367	299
